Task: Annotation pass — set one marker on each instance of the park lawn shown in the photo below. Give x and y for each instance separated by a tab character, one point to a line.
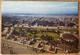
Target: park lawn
40	28
55	36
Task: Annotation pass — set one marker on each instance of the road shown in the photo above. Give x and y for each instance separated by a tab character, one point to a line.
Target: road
16	48
19	49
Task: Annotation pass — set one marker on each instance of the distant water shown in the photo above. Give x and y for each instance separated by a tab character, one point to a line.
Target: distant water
27	14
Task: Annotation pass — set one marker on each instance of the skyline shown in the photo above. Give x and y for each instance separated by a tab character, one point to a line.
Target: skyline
40	7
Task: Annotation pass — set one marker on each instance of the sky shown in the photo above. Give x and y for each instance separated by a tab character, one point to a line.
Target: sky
40	7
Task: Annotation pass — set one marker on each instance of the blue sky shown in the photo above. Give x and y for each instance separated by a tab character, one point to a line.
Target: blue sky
40	7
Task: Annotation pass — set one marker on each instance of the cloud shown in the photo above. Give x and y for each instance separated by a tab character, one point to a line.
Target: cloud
39	7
